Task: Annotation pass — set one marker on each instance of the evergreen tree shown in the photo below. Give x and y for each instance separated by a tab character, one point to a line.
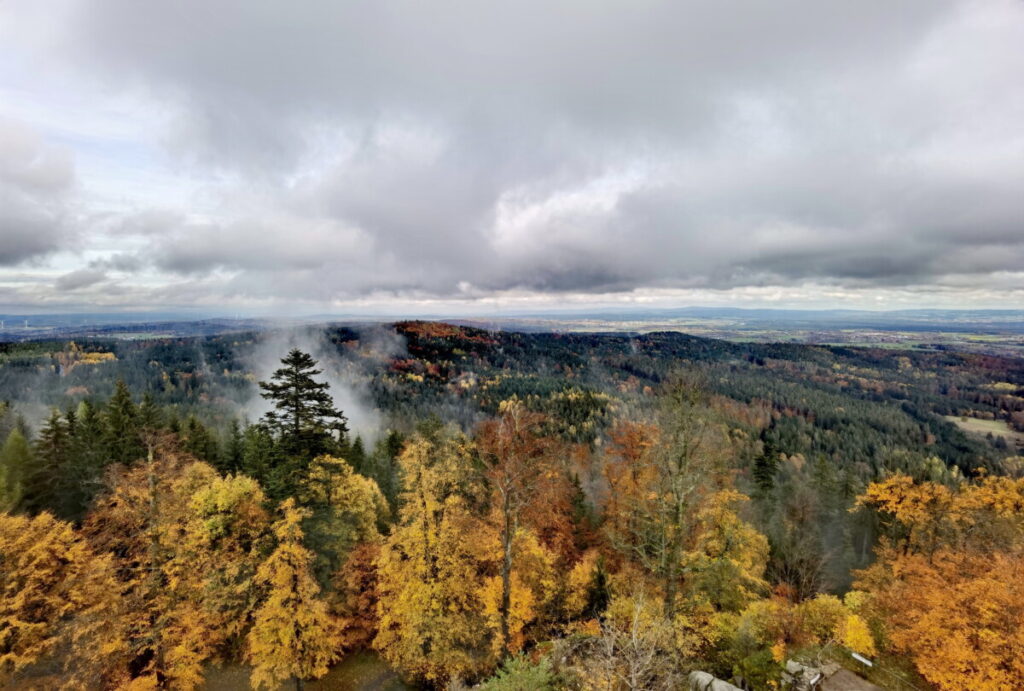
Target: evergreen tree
303	424
356	456
304	418
766	465
121	420
48	484
71	422
88	458
199	441
150	416
382	466
6	419
15	465
262	459
232	457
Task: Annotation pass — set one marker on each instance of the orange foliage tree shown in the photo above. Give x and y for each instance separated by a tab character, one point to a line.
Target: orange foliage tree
518	460
946	584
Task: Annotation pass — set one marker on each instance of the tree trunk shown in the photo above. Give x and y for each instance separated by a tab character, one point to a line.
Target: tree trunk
671	585
506	580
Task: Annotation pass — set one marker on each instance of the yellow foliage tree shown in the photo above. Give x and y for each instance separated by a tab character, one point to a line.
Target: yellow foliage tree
293	635
186	544
533	584
432	621
727	562
212	572
48	574
140	519
578	584
855	635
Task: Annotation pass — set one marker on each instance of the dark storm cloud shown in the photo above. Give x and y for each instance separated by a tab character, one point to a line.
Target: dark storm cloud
455	149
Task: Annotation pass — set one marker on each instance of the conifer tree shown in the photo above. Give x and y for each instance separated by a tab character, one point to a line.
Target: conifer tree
357	456
233	455
382	466
766	465
6	419
260	455
150	416
15	465
49	483
304	418
294	636
88	457
122	426
199	442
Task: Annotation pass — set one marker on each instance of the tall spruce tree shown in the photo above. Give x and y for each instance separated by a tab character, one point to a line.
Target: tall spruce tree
150	415
199	442
48	484
232	455
121	418
86	459
304	419
766	465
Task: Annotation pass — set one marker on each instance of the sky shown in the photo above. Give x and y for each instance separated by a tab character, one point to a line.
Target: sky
401	156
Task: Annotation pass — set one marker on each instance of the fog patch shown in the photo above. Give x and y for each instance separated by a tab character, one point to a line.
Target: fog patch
347	373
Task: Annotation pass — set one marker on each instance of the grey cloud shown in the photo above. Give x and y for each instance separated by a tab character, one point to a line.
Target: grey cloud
28	228
261	245
34	180
128	263
83	278
452	149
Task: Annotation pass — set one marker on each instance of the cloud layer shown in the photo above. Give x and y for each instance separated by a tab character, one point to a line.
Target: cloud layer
335	152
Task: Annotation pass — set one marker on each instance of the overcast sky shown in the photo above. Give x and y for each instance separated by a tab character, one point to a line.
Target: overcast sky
477	156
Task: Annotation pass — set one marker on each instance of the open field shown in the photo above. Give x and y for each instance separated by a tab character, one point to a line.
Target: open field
997	428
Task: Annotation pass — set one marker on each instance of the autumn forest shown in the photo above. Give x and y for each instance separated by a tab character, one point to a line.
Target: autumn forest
507	511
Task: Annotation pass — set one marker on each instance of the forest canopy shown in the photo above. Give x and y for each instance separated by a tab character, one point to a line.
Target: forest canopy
532	511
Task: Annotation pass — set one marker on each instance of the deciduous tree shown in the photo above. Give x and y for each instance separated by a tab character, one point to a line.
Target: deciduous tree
944	582
344	508
47	575
432	621
293	635
518	459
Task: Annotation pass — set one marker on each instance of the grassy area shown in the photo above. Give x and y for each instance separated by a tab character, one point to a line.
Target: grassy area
998	428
